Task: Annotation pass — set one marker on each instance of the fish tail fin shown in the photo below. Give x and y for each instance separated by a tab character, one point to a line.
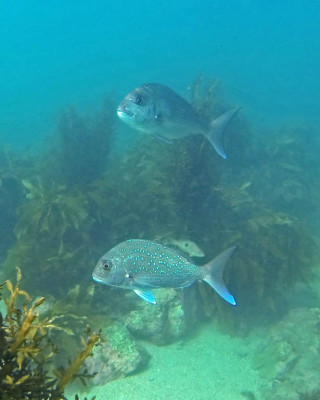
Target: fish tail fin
214	275
217	128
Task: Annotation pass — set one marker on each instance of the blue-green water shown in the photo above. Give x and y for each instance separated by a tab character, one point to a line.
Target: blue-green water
58	53
75	182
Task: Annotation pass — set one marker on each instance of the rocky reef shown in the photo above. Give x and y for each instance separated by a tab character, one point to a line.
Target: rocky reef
161	324
289	358
117	357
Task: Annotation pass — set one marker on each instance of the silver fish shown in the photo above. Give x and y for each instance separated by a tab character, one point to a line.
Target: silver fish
142	265
157	109
187	246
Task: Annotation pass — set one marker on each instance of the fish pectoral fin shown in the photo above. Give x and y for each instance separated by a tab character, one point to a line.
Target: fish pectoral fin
161	138
147	296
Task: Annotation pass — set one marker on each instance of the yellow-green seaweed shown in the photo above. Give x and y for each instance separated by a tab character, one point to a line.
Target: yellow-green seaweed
27	350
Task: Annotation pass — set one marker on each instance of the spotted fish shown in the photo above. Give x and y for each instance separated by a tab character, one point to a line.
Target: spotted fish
143	265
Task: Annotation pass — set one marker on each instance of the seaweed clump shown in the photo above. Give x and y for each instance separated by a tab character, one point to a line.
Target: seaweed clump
26	351
63	202
83	144
249	202
11	197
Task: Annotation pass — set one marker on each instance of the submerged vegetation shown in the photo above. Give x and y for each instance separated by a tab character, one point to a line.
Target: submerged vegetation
80	199
64	207
83	145
11	197
27	350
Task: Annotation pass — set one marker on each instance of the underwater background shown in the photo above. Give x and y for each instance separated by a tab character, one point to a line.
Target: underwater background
75	182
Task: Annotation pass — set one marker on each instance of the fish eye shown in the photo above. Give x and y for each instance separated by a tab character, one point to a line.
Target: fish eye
106	265
139	99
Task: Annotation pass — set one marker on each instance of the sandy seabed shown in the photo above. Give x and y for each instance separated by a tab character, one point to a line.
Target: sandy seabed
210	365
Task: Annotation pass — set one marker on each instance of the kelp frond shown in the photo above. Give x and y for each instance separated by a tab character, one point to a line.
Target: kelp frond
52	209
26	349
70	373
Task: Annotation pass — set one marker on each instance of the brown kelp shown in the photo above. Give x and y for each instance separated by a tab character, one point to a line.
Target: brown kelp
155	190
83	144
11	197
27	350
63	216
56	217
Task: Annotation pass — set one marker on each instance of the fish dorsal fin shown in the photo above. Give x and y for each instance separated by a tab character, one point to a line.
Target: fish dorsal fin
147	296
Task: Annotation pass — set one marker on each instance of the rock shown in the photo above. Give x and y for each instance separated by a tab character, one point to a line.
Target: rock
289	357
162	323
119	356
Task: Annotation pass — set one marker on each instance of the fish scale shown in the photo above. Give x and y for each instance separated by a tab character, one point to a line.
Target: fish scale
150	260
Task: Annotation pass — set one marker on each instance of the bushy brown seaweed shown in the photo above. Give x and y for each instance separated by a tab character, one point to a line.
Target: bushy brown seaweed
26	350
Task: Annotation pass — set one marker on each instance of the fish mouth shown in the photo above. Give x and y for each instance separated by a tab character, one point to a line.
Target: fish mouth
124	113
96	279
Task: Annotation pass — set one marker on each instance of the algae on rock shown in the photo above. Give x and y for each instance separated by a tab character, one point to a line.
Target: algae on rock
289	357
